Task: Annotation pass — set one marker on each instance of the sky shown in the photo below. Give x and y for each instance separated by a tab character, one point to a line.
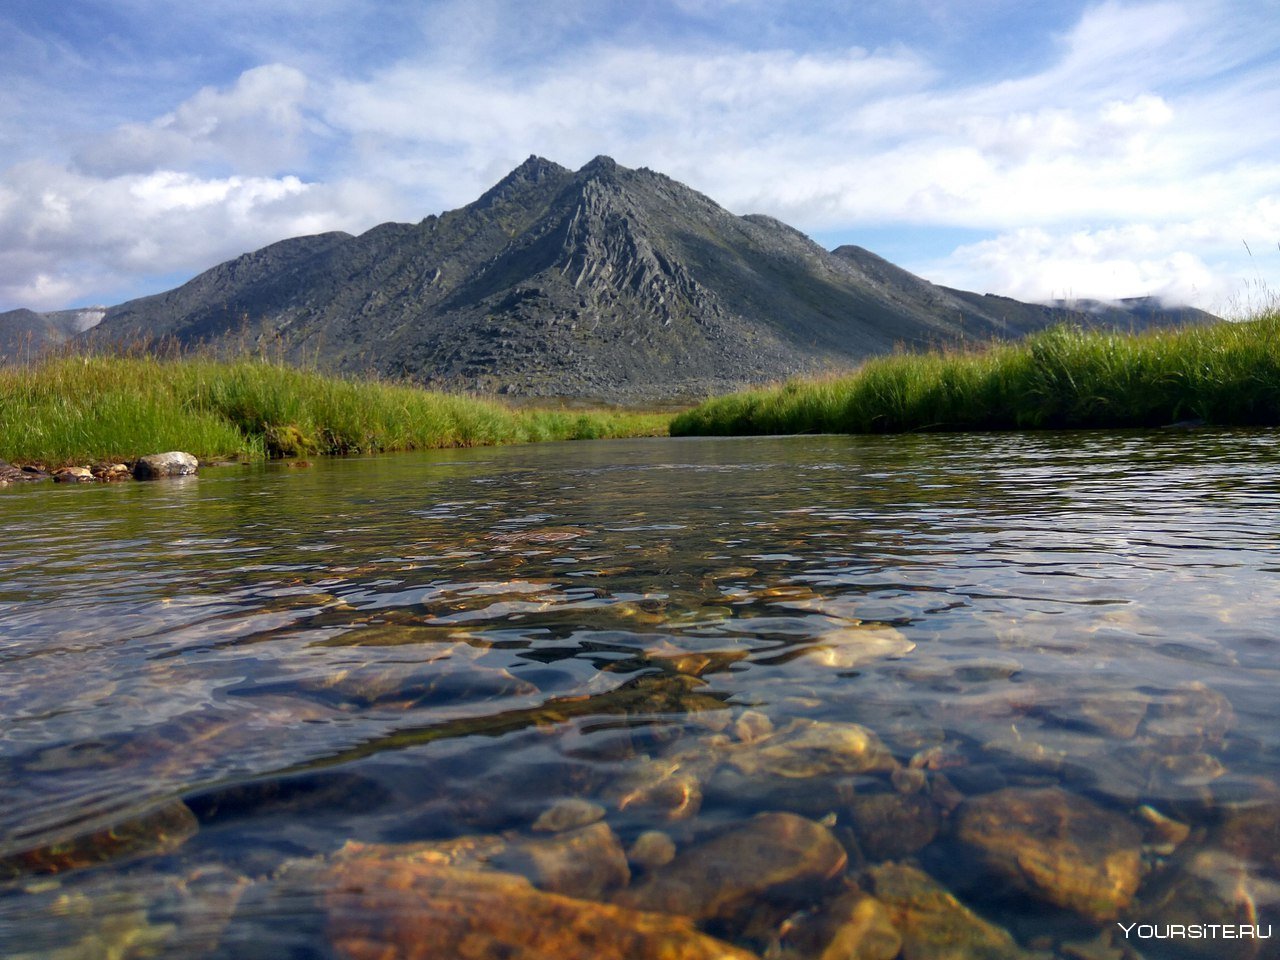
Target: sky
1036	150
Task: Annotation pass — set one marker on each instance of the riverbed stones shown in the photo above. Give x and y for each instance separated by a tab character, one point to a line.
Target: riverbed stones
172	464
652	849
1056	847
1252	833
772	854
809	748
1189	718
24	474
670	788
73	475
934	925
1113	713
1206	886
380	909
848	648
588	862
568	813
110	472
891	826
853	926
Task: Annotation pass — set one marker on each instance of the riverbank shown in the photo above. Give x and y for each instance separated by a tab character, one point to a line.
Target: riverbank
1225	374
78	409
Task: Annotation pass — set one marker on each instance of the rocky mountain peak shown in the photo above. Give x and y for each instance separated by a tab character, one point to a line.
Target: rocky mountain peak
533	172
607	284
601	168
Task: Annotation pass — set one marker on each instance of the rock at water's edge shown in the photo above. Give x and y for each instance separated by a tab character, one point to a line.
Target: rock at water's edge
172	464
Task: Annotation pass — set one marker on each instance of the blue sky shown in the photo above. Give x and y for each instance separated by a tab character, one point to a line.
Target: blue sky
1037	150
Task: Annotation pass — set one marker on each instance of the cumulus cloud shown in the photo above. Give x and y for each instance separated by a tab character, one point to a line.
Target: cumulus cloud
256	126
1205	262
66	234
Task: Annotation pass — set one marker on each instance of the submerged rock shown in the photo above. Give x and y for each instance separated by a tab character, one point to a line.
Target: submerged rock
410	910
809	748
652	849
588	862
1115	713
1252	833
848	648
1189	718
890	826
1162	833
172	464
934	925
568	814
157	829
773	853
1055	846
1206	887
853	926
670	787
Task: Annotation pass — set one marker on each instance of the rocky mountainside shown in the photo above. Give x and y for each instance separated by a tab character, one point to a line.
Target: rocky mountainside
605	283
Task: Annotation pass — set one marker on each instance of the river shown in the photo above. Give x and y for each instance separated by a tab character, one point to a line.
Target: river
1011	693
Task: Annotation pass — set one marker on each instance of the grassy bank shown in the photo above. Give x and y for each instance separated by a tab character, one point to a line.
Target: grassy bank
1225	373
77	409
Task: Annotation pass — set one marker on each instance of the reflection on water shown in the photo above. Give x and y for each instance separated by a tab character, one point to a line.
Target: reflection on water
913	695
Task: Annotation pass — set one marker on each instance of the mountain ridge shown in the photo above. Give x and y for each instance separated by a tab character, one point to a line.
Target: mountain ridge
605	283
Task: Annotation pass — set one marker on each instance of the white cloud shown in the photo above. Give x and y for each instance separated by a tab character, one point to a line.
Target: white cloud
1208	263
256	126
66	234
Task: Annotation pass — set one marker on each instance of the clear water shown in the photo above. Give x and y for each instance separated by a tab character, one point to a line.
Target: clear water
429	646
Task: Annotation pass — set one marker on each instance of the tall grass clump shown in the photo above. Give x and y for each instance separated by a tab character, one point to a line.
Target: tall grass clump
81	408
1225	373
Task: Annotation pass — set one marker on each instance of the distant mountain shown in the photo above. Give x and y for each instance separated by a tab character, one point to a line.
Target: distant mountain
1014	318
605	283
25	333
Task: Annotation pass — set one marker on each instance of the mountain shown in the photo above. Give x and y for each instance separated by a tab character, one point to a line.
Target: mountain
606	283
25	333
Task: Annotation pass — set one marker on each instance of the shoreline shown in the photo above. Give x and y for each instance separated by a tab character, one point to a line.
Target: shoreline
1222	375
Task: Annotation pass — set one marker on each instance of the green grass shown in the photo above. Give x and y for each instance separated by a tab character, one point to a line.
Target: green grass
1226	373
75	409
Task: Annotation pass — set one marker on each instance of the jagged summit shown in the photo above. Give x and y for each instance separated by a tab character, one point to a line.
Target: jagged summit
605	283
533	171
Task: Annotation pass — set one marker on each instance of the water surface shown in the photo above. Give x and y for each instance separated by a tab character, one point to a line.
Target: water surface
207	682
